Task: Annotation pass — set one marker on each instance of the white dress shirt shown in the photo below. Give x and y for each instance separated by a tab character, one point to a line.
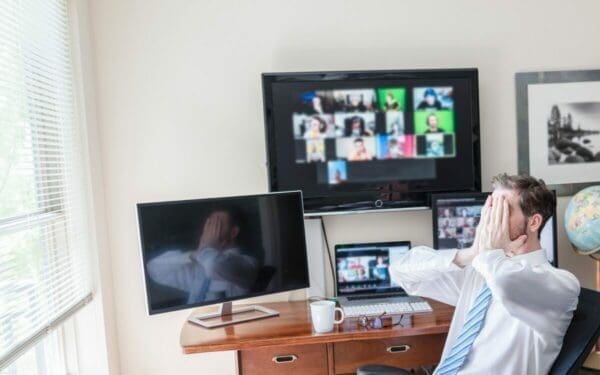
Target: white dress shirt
531	308
206	274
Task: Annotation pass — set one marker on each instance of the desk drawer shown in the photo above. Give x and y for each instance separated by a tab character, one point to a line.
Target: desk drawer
404	352
288	360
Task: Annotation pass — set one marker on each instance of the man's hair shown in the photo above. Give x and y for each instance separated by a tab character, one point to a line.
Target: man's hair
358	140
534	196
429	92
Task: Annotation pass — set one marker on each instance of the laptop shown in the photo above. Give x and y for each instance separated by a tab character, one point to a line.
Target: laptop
363	284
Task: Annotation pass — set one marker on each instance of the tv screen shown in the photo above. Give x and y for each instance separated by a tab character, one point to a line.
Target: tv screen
456	216
364	140
207	251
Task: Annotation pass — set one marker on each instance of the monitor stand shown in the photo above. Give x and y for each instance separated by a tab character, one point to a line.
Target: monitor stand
227	315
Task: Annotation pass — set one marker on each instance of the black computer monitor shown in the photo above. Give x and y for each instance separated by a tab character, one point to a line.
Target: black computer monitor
456	216
207	251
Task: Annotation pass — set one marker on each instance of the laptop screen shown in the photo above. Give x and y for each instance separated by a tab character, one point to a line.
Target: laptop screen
364	268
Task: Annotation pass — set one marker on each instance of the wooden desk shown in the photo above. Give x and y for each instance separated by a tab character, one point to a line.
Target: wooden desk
290	338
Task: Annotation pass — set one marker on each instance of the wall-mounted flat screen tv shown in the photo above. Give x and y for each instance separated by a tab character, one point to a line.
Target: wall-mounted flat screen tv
354	141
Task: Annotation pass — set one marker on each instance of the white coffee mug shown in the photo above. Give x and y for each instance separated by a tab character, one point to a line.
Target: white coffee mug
323	315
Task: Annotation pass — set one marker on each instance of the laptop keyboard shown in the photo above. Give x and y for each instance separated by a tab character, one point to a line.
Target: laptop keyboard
388	308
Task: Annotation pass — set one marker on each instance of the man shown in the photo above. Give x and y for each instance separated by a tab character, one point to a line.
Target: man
512	307
337	177
430	101
317	105
435	148
360	152
355	127
380	268
315	151
393	151
217	269
355	103
433	125
391	104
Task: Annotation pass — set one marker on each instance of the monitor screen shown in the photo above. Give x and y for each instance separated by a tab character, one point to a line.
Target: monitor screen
348	140
456	216
206	251
364	268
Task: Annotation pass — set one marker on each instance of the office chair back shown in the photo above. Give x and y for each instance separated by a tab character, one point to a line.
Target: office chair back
581	335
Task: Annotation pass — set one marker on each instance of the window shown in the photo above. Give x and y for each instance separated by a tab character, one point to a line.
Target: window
45	358
44	270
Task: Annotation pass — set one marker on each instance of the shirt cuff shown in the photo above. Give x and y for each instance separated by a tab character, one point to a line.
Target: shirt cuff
484	260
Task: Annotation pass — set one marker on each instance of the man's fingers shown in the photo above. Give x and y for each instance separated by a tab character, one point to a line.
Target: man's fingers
218	229
213	228
505	214
498	205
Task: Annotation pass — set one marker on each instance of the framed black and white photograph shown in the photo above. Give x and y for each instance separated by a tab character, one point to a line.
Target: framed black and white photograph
558	128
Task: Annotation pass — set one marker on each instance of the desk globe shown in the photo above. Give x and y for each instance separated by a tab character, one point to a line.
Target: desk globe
582	224
582	221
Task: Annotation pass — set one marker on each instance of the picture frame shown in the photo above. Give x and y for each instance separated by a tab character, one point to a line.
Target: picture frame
558	137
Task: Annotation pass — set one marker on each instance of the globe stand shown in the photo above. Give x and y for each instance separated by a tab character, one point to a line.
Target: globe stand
593	361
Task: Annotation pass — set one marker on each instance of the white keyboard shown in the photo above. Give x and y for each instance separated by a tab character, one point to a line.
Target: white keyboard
388	308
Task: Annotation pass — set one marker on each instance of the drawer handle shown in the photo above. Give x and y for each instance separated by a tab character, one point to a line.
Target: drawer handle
398	349
284	358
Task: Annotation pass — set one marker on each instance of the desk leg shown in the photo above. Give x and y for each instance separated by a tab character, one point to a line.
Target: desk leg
330	360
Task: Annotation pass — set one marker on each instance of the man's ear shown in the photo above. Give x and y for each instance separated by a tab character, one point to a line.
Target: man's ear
535	223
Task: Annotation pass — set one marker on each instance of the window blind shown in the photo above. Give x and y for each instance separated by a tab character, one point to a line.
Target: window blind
44	268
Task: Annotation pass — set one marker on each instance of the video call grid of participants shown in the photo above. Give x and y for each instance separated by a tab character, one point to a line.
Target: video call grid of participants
363	268
363	272
458	223
358	125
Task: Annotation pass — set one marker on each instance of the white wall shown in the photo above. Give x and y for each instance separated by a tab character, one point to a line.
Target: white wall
180	111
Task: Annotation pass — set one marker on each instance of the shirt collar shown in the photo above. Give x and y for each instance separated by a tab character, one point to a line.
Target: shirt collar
533	258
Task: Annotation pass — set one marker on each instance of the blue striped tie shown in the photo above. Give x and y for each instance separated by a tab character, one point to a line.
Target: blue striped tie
473	323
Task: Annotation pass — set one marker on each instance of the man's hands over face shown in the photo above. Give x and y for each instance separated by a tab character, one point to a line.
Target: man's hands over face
493	231
212	233
464	257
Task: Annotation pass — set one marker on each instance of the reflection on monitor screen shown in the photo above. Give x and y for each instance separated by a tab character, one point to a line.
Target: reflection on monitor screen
456	217
215	250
